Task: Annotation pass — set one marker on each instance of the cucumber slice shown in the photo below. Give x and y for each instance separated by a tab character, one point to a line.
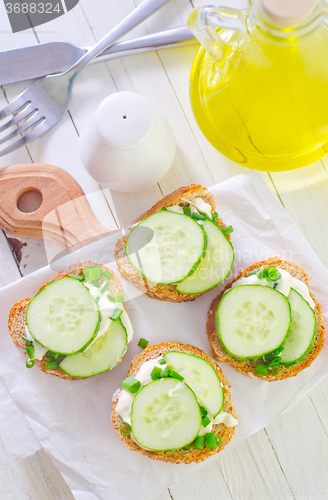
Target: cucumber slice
166	247
165	415
201	378
63	316
301	335
252	320
101	356
216	264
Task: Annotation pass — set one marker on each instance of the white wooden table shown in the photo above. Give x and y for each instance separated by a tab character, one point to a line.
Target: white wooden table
288	459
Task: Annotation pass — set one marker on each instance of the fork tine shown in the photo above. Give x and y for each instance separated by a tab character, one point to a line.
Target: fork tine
25	113
30	122
40	128
15	105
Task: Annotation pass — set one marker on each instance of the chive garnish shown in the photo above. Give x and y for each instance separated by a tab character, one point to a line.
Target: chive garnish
205	421
131	384
166	371
76	277
273	369
116	314
187	211
143	343
199	443
211	441
176	375
218	440
187	448
112	297
53	355
164	209
27	340
275	361
29	363
104	287
97	300
156	373
120	299
107	274
261	369
227	230
215	216
30	351
96	283
270	273
93	273
278	351
198	216
255	271
203	411
51	365
162	361
125	428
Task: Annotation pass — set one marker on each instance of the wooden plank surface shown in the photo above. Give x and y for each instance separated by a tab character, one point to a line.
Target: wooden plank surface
289	458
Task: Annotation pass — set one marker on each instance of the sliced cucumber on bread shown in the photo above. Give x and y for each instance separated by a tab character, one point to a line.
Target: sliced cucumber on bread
63	316
102	355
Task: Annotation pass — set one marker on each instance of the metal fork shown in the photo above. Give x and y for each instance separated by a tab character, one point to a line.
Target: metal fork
44	103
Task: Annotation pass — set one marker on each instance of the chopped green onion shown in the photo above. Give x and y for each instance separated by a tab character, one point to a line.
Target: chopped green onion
125	428
143	343
162	361
53	355
278	351
111	297
211	441
261	369
92	273
273	274
96	283
187	211
97	300
199	443
218	440
255	271
269	357
215	216
275	361
187	448
164	209
273	369
156	373
103	287
198	216
27	340
205	421
263	273
227	230
203	411
120	299
51	365
116	314
76	277
29	363
107	274
176	375
166	371
131	384
30	351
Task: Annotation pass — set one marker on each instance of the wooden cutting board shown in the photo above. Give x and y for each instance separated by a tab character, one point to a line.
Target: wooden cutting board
64	216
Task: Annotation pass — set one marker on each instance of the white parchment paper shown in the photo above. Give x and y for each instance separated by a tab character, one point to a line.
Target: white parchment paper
71	419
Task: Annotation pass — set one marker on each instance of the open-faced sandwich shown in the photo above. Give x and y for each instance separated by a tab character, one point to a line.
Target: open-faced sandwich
180	249
174	405
267	323
76	326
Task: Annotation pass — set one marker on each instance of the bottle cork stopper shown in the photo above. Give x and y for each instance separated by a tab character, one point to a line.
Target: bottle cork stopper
288	12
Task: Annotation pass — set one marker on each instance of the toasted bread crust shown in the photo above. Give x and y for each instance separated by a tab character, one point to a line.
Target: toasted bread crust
247	367
176	456
129	273
17	315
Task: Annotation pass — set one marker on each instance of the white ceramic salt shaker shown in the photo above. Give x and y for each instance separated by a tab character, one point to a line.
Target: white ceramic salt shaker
126	145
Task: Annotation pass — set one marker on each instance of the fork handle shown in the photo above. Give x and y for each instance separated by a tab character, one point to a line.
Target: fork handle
139	14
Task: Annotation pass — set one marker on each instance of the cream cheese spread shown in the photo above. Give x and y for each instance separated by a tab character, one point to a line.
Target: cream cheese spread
198	205
125	399
284	284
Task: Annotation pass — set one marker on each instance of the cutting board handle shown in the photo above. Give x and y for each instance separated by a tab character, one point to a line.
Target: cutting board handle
64	216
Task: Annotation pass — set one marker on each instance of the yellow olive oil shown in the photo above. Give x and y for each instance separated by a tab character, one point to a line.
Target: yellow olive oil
266	104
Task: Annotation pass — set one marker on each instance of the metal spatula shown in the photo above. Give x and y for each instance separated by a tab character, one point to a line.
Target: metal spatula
44	59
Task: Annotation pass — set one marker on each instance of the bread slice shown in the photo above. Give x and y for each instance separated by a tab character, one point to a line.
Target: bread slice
128	272
16	321
247	367
176	456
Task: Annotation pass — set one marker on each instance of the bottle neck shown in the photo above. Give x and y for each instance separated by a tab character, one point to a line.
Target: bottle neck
258	19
